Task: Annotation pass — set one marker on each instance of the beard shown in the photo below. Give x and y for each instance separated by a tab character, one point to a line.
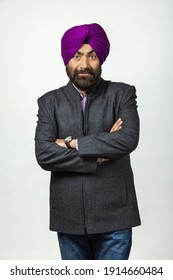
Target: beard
84	82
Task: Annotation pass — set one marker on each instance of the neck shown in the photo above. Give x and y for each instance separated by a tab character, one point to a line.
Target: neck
82	92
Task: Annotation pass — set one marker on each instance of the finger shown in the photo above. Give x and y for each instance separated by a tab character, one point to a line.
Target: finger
118	122
116	129
117	125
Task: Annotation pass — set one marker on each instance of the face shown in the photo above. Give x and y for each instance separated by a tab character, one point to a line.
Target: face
84	69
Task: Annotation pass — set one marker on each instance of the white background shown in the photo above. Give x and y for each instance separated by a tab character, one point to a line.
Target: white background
140	32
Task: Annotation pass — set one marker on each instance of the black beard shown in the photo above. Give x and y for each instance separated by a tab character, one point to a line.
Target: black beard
84	82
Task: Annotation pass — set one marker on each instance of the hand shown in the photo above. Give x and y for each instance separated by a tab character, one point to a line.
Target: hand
100	160
61	143
117	125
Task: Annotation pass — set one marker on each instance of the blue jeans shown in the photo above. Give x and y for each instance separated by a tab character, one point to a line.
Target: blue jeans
115	245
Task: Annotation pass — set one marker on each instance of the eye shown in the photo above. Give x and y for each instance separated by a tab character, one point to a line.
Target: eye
77	56
93	56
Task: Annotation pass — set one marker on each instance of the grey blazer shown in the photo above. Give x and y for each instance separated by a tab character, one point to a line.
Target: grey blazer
85	195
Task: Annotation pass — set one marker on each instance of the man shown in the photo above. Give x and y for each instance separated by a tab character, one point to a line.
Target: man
85	133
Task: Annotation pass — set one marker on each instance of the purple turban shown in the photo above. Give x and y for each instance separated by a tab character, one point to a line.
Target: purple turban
92	34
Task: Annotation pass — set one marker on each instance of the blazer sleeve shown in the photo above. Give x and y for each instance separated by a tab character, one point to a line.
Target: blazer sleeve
50	156
119	143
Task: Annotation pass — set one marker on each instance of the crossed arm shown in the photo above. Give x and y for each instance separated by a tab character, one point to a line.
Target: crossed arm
53	155
116	126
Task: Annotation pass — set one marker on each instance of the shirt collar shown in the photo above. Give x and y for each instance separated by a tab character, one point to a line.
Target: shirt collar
81	93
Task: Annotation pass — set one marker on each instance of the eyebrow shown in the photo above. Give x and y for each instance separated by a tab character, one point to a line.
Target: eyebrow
81	53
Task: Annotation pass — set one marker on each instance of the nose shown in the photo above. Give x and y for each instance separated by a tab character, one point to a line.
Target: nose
84	62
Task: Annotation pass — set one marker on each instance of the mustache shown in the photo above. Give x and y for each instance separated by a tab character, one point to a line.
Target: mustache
84	71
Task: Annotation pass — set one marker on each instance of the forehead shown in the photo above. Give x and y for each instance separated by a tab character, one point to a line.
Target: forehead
85	48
